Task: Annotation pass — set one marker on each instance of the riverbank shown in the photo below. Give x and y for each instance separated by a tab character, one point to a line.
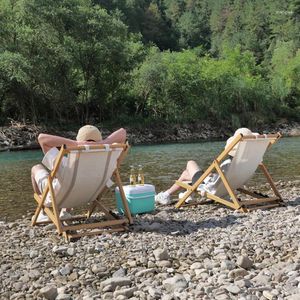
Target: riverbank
21	136
209	252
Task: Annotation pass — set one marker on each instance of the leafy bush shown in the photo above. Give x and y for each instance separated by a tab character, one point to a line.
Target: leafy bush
184	87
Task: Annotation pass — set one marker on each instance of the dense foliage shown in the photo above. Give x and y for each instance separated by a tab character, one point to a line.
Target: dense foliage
224	61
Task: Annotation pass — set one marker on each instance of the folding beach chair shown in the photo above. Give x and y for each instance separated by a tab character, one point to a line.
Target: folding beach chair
84	178
249	156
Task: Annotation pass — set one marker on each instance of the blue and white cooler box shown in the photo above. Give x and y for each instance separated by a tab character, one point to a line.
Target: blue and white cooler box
140	198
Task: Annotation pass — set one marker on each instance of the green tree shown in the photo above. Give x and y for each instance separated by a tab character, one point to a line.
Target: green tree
285	77
193	25
62	58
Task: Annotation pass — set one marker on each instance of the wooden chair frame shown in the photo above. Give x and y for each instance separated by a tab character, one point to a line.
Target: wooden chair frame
234	202
65	226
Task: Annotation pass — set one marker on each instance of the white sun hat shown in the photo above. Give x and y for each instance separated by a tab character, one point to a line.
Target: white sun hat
244	131
89	133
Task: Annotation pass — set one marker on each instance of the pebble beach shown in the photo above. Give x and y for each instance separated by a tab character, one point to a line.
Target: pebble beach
203	252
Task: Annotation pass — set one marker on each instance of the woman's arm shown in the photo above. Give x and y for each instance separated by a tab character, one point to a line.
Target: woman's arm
48	141
118	136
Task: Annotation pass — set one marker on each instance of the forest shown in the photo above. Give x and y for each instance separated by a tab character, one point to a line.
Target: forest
227	62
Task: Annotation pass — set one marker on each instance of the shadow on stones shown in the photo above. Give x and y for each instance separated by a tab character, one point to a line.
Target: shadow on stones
170	226
293	202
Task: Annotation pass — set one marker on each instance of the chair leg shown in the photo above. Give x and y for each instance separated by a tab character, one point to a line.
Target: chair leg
123	197
237	204
91	209
36	214
40	203
270	180
95	203
109	214
55	211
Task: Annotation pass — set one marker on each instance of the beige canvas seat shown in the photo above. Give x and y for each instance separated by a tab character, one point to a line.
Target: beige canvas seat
248	157
83	180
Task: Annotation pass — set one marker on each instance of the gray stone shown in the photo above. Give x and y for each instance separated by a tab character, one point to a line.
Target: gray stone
119	273
33	253
259	289
125	292
154	292
151	264
233	289
49	227
208	264
61	290
243	283
49	292
34	274
18	286
73	276
237	273
164	263
98	269
196	265
144	272
63	297
131	263
244	262
108	296
275	292
221	297
59	249
262	279
227	265
88	297
55	273
251	297
114	282
269	295
277	243
66	270
70	251
121	297
161	254
170	270
25	278
175	283
107	288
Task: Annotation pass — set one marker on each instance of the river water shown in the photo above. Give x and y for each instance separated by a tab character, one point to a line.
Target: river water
162	165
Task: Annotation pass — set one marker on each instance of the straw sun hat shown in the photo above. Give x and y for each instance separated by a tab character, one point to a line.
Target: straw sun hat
89	133
243	131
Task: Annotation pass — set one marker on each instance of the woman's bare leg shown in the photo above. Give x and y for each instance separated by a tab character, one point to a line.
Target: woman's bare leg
34	170
36	189
187	175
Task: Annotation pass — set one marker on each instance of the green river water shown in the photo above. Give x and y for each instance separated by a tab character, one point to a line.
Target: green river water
162	165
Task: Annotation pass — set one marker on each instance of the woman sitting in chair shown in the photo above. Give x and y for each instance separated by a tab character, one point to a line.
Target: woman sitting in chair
193	172
87	134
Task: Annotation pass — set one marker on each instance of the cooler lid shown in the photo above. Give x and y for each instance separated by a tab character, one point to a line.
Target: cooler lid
138	189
